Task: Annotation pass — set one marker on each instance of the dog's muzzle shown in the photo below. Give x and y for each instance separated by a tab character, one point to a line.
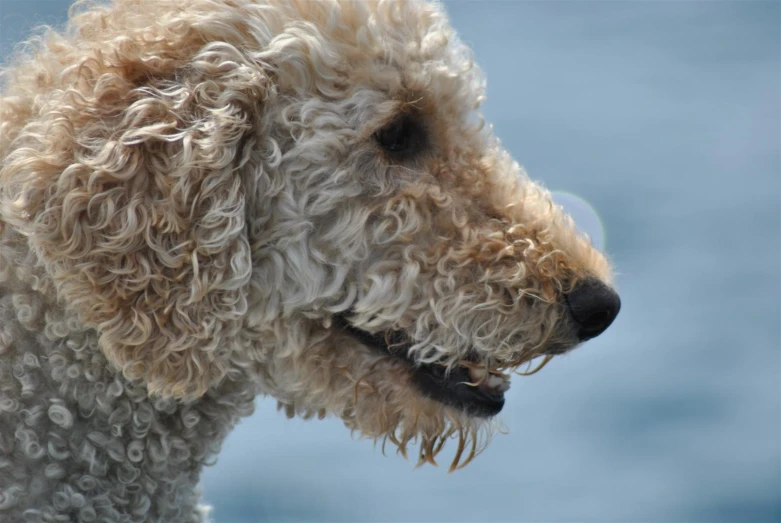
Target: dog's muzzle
593	305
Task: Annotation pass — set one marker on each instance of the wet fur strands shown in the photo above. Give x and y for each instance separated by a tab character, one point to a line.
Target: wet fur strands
204	201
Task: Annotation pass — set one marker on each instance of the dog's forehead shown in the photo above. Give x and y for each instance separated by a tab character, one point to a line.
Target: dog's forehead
406	49
428	55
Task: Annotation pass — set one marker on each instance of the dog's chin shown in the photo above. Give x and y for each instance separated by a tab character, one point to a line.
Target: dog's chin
469	389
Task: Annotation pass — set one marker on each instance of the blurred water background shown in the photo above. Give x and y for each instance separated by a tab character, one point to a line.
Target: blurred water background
665	116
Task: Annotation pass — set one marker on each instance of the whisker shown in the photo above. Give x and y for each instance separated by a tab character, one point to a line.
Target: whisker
539	367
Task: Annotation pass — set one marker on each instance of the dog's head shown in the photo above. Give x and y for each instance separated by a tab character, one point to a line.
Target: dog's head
302	189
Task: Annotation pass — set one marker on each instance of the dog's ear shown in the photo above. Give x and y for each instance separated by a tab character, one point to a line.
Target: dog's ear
129	190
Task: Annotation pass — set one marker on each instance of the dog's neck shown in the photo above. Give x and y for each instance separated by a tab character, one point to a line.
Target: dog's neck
92	440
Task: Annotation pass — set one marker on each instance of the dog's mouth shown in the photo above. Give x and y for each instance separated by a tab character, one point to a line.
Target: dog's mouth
468	387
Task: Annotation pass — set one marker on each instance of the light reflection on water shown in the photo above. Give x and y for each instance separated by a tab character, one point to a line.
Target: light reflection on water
584	215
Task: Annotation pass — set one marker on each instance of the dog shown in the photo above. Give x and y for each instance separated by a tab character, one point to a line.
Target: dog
207	201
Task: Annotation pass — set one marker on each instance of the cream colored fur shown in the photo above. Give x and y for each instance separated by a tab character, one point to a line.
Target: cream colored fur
190	191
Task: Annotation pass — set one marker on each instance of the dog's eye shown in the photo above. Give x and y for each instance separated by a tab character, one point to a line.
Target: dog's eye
402	137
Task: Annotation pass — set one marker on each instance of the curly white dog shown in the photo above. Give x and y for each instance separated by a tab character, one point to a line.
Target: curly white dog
202	201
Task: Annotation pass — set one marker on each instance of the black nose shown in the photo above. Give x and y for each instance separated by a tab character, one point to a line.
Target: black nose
594	306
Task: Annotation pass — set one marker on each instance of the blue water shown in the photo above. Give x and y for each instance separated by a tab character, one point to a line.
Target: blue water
665	116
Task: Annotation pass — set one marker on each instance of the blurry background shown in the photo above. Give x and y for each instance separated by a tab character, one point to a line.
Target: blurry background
665	116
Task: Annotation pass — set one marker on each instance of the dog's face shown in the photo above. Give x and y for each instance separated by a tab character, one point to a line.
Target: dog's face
414	264
305	189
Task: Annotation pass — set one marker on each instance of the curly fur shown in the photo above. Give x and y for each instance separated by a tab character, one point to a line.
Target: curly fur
190	192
